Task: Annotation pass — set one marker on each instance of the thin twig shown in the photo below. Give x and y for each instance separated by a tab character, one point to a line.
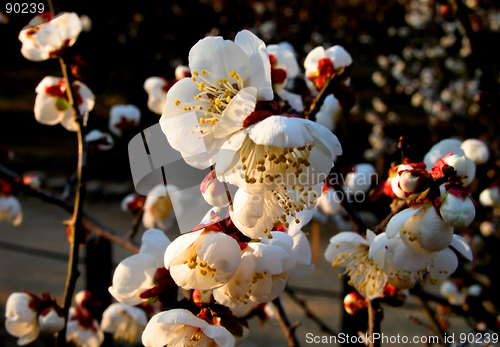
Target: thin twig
325	328
432	318
135	224
89	222
327	89
426	326
288	329
76	220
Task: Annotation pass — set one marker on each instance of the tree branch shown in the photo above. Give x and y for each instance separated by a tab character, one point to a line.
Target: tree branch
288	329
302	303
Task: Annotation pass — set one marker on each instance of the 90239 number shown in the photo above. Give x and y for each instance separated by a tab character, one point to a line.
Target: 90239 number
24	7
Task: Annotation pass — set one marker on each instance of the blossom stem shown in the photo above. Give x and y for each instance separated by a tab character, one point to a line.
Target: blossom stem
327	89
135	224
288	329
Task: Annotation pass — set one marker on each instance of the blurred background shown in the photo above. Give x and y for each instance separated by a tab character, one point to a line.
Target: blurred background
415	75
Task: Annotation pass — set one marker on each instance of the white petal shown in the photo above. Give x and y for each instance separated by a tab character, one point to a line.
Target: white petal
271	259
445	263
281	132
312	59
220	57
46	111
338	56
379	243
260	67
236	112
436	234
441	149
462	247
348	236
133	276
178	246
154	243
219	250
397	221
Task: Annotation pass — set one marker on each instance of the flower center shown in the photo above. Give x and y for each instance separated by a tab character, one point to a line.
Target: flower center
162	208
292	201
127	329
365	275
194	262
266	163
191	337
58	91
325	71
213	99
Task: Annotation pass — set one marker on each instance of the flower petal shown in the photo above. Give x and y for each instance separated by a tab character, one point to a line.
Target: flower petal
260	67
398	220
237	110
462	247
220	57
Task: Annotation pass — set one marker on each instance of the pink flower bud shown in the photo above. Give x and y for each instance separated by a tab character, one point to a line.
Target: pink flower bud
202	297
354	303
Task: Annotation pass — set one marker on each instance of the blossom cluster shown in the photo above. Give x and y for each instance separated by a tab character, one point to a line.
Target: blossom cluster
418	242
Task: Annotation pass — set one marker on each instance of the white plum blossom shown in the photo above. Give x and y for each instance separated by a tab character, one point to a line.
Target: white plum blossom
465	168
159	207
277	150
10	209
122	117
404	266
262	273
321	64
329	112
441	149
52	106
476	150
203	111
26	315
82	329
202	259
125	322
421	229
351	250
21	320
104	141
46	37
157	88
179	327
135	274
256	214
